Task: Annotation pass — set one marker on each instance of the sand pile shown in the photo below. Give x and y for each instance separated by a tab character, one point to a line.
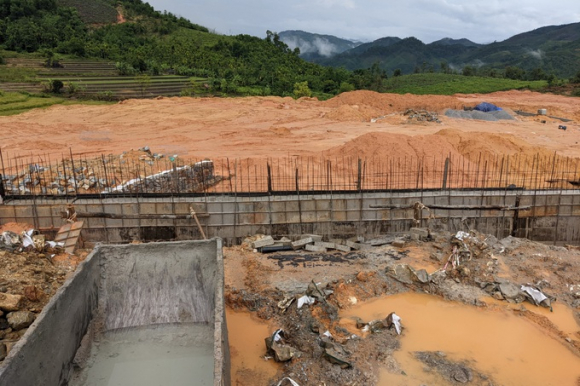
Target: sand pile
459	146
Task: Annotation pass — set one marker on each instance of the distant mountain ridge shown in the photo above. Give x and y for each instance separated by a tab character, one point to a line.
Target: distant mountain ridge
553	49
315	46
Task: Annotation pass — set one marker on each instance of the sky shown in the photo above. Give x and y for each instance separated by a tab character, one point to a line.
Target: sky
367	20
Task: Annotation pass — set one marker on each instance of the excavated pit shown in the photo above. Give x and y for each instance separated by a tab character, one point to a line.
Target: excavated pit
156	312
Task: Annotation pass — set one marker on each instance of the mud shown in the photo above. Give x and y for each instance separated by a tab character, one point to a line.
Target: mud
450	322
506	348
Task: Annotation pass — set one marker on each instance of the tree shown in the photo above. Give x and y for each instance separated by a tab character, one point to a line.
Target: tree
144	81
469	71
516	73
397	72
576	78
301	89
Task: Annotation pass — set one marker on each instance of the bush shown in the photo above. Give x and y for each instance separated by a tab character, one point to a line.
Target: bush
56	86
301	89
74	88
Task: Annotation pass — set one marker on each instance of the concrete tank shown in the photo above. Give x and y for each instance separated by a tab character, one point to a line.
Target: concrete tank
126	288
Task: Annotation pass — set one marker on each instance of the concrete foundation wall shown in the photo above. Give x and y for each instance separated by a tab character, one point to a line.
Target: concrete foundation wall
553	215
44	355
184	280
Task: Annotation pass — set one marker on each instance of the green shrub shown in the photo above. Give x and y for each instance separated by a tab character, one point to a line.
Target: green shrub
56	86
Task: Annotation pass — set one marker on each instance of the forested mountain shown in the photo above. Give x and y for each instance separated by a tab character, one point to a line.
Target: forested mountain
314	46
551	50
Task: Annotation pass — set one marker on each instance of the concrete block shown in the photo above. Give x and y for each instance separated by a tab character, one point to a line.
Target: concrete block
265	241
314	238
325	245
337	241
342	248
302	242
353	245
314	248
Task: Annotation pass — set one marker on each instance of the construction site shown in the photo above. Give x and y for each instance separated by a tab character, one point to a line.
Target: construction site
370	239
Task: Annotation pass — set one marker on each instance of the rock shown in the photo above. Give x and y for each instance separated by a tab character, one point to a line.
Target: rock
336	355
3	351
32	293
283	353
509	290
398	243
363	276
438	277
402	273
10	302
421	276
465	272
9	346
419	233
360	323
498	296
4	324
20	319
463	375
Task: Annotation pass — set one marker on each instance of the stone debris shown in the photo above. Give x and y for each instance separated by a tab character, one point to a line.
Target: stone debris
20	319
10	302
277	347
132	171
422	116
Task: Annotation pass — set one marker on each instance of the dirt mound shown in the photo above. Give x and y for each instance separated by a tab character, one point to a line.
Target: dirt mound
444	143
370	104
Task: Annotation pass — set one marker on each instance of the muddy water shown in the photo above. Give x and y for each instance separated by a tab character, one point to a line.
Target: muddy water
151	356
246	335
509	349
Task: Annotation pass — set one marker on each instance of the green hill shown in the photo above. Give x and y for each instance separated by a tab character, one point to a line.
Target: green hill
551	49
94	11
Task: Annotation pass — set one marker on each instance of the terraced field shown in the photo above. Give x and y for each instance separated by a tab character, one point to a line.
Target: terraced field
94	79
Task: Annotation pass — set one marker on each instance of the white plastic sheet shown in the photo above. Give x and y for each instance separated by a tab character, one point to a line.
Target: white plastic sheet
305	300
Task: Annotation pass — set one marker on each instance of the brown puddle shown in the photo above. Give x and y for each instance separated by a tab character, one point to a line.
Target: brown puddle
246	335
509	349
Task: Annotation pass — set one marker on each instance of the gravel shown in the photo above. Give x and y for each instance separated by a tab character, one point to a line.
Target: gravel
474	114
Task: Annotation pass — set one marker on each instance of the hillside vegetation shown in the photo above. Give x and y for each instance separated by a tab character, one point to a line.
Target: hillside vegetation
78	47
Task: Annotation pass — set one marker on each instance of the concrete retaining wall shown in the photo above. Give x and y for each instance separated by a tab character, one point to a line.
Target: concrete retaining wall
161	270
553	215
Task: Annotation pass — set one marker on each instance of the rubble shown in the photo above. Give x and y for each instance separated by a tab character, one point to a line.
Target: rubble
422	116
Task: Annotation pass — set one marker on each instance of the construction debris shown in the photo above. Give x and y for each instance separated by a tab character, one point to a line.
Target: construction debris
422	116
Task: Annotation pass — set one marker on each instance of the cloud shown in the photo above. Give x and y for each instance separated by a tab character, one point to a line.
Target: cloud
366	20
539	54
320	46
348	4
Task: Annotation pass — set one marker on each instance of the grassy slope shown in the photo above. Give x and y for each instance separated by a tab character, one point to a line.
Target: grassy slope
16	103
444	84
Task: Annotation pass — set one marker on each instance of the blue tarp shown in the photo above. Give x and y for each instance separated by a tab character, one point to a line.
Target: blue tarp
485	107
